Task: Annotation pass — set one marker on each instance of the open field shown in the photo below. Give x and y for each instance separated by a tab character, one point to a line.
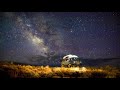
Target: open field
10	70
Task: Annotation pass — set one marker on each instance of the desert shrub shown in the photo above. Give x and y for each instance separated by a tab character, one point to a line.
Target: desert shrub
28	71
96	74
118	75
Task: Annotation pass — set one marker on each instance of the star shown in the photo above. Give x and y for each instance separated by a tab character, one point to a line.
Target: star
71	31
28	25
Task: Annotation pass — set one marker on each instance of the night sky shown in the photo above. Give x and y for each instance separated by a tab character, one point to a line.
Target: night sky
86	34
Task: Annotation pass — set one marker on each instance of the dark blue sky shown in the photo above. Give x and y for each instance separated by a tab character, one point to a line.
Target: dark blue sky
87	34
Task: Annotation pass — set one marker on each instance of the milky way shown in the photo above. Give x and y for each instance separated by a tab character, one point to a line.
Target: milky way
86	34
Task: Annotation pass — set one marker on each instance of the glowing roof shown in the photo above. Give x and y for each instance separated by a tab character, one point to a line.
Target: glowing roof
70	56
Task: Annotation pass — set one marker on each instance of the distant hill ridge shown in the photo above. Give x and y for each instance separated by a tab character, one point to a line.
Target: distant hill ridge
56	61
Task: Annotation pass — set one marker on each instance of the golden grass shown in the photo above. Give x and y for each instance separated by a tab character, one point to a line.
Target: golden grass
27	71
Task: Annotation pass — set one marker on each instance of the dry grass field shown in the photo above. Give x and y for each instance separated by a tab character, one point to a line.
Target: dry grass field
10	70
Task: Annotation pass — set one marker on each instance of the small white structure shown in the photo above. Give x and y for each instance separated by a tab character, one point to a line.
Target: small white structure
71	60
70	56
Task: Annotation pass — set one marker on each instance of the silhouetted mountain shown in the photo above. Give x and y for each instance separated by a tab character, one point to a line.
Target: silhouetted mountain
101	62
55	60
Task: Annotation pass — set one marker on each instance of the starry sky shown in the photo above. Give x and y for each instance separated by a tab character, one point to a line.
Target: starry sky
86	34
